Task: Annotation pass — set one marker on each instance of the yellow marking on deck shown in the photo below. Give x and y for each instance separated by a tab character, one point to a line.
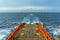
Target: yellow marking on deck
37	34
22	34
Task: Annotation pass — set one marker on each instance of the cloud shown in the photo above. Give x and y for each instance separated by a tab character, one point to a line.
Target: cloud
27	8
20	8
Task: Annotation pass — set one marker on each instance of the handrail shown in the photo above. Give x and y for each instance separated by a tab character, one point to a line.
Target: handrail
44	32
13	34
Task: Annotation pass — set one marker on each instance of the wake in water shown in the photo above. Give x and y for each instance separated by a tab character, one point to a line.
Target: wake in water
8	26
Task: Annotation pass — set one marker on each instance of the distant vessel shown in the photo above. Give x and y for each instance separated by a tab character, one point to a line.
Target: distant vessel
29	29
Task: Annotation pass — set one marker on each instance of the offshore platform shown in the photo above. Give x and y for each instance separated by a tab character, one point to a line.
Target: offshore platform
30	29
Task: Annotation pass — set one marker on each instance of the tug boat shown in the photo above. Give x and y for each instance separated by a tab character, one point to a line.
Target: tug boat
29	31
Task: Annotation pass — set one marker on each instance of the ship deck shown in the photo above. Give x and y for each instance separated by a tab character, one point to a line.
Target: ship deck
29	32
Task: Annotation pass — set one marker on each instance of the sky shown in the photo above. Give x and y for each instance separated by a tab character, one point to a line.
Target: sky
40	5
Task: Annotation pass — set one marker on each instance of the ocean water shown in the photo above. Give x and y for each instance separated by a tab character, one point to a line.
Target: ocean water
9	20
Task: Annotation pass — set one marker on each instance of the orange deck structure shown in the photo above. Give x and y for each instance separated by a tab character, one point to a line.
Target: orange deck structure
40	26
44	32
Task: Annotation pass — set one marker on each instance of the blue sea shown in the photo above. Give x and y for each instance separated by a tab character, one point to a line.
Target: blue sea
9	20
